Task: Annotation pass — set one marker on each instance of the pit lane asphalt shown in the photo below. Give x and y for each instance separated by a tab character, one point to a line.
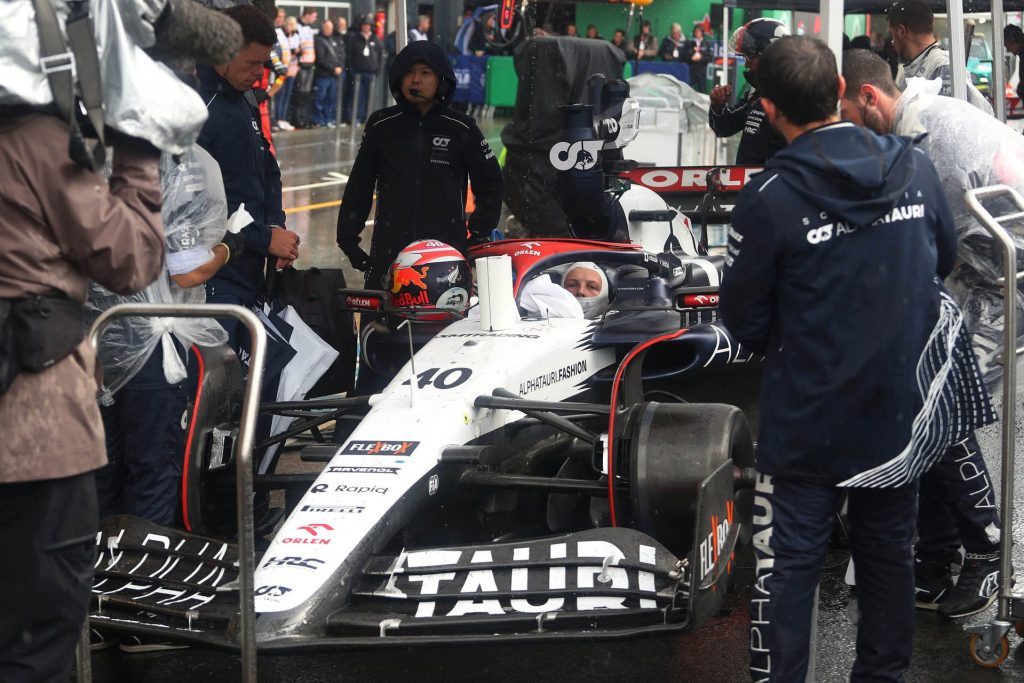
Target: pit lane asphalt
716	652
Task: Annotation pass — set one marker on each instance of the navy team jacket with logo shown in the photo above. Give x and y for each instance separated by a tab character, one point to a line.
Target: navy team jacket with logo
830	272
420	166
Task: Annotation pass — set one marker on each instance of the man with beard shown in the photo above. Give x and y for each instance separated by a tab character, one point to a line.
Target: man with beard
969	149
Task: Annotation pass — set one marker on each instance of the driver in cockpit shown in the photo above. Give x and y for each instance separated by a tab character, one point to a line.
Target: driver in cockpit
586	281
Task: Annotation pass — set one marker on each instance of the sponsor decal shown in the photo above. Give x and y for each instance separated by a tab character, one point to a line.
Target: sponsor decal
590	565
441	142
408	277
390	448
692	179
347	469
344	488
549	378
728	347
528	249
272	591
317	531
503	335
340	509
580	155
370	302
699	300
455	298
432	485
711	546
406	300
301	562
761	596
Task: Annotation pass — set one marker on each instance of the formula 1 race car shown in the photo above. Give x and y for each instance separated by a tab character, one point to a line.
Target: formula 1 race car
555	478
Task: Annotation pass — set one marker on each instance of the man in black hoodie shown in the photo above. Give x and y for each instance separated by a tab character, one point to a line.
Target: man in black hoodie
419	155
831	268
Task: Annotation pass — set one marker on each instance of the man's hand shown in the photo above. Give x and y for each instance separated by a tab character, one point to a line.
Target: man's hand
720	96
284	244
283	263
337	71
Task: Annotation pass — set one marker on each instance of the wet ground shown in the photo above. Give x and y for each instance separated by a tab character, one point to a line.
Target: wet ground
315	165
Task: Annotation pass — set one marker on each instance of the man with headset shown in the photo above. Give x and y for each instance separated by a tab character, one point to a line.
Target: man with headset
419	154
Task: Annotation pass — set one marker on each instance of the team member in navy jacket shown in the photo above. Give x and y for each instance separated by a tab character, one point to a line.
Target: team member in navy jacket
252	177
419	155
831	270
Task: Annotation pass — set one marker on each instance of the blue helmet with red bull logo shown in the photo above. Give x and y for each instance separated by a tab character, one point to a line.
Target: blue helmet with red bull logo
429	280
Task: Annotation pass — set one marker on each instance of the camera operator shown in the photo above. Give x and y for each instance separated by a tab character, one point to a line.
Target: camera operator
60	226
232	135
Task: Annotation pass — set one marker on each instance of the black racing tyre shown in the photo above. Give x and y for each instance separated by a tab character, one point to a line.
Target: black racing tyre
672	448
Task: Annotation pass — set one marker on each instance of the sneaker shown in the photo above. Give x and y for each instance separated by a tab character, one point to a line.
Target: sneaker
136	645
284	125
976	589
332	124
932	582
100	641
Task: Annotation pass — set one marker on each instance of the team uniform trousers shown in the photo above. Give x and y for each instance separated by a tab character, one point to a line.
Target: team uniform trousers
957	505
792	525
48	532
145	433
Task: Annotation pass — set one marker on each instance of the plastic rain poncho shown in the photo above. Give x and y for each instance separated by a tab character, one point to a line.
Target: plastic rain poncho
970	150
194	216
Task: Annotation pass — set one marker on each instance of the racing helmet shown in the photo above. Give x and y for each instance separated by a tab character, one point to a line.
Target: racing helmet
593	303
754	37
429	281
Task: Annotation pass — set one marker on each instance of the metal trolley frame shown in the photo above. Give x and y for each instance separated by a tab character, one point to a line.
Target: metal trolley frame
989	644
243	463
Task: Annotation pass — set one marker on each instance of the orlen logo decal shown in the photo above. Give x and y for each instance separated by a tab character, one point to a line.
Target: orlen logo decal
693	179
362	302
700	300
317	531
441	142
272	591
301	562
580	155
380	448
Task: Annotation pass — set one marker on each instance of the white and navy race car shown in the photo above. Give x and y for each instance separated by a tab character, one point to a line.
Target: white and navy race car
561	478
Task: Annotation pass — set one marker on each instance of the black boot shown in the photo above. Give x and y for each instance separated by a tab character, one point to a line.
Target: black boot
932	582
976	589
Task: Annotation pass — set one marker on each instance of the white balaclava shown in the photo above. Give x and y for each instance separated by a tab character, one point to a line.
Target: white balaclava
593	306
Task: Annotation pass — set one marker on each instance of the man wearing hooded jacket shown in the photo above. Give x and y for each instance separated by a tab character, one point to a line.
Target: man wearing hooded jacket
419	154
970	149
839	221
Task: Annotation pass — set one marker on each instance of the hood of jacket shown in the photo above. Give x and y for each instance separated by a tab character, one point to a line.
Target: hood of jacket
849	171
433	56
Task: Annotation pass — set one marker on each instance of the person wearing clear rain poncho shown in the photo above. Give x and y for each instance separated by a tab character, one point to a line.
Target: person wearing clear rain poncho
144	393
969	150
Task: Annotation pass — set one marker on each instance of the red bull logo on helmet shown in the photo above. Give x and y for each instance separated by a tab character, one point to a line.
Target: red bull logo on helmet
408	277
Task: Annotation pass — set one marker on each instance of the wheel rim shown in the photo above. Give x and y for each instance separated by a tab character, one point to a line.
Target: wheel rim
991	659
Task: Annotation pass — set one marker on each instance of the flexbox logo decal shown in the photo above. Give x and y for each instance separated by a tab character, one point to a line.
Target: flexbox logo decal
392	448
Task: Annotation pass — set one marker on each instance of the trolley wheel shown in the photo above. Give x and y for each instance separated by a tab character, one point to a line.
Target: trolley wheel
989	660
1018	627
